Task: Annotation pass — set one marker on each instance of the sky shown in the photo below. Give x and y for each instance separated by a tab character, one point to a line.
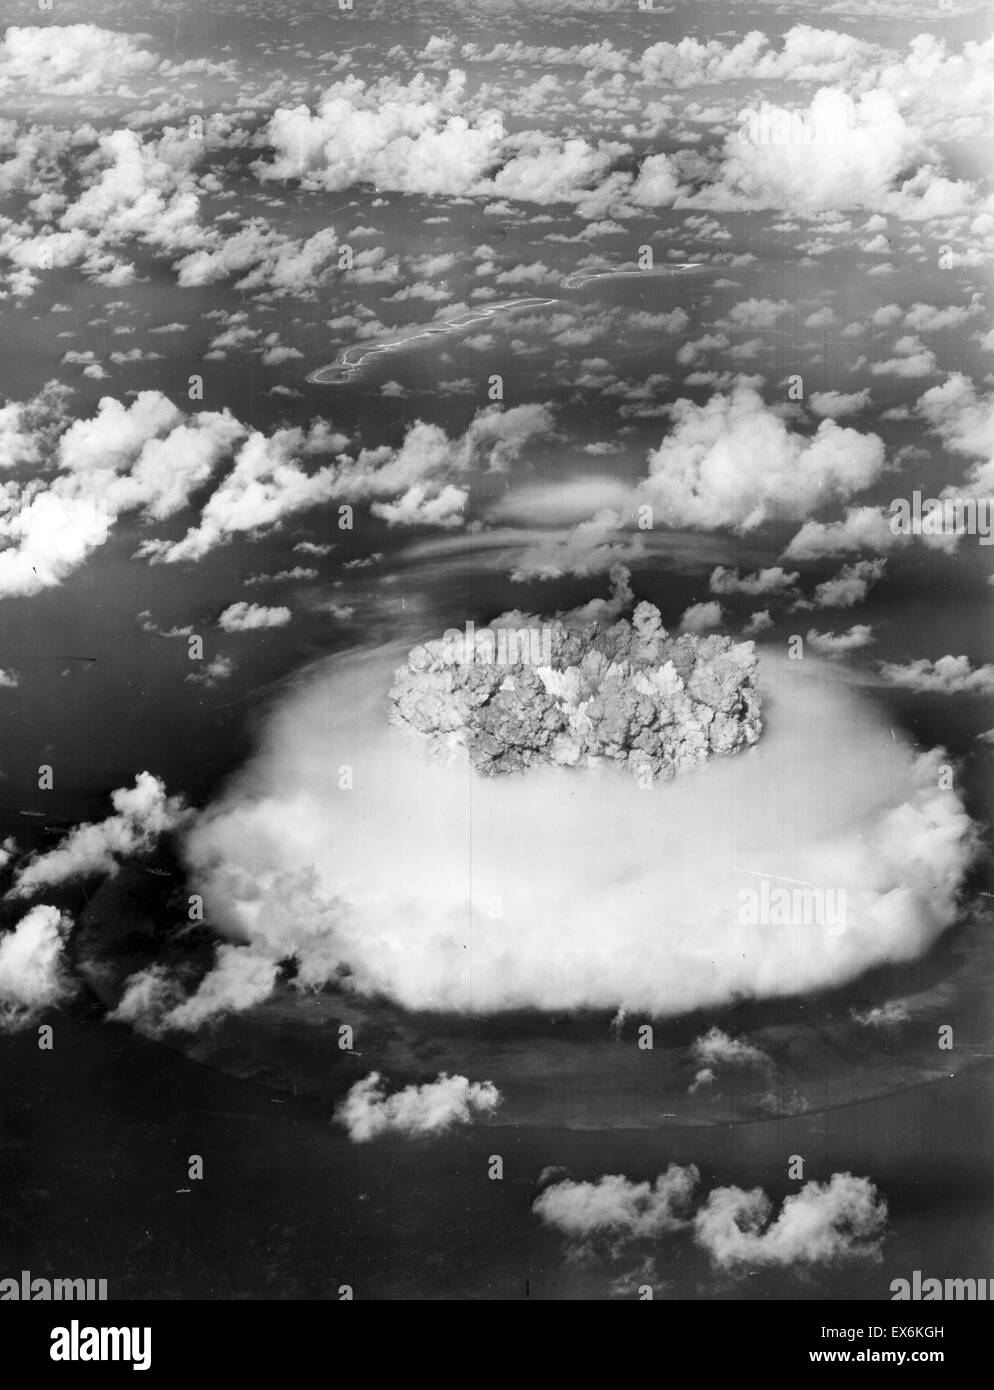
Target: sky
330	328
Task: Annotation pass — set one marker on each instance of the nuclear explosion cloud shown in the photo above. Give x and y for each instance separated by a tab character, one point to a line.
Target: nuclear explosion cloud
496	890
569	694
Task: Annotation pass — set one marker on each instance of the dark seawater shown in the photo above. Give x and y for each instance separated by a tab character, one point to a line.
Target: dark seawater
98	1132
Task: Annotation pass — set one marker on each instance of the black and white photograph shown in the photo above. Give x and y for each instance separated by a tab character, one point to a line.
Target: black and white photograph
496	661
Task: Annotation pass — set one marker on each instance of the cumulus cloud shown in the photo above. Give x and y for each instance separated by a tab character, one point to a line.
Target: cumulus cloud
657	183
289	576
889	1015
700	617
850	586
616	1207
48	539
929	318
30	429
948	93
760	621
806	55
32	971
774	580
840	644
433	137
294	866
267	483
599	57
545	169
912	359
837	152
964	420
142	814
421	482
861	528
257	257
244	617
432	1108
129	188
844	1219
832	405
409	139
214	671
733	462
146	456
70	60
825	1223
950	675
104	195
424	481
716	1050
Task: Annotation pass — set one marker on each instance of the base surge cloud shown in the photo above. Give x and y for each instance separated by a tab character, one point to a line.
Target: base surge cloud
344	846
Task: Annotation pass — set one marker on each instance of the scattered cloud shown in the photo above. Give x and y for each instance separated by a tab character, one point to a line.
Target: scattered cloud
734	462
142	814
246	617
840	644
33	976
825	1223
950	675
367	1112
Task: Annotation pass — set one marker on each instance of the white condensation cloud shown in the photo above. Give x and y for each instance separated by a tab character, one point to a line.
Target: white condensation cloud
295	865
154	1000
